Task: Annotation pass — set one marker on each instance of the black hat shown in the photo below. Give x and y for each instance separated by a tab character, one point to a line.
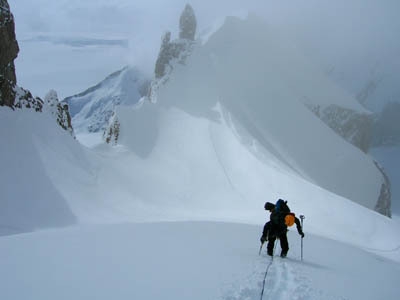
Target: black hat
269	206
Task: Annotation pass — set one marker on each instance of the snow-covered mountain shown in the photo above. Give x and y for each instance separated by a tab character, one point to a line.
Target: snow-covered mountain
230	126
257	89
92	109
229	131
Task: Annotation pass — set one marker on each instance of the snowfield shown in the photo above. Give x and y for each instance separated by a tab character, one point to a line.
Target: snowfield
186	260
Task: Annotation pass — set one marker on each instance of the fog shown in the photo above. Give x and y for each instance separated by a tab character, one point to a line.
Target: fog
62	42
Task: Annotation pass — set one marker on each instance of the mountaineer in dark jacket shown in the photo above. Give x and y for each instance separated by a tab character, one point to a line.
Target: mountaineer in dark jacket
280	219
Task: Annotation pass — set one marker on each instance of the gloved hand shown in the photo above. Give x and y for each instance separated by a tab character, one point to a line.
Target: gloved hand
302	235
262	240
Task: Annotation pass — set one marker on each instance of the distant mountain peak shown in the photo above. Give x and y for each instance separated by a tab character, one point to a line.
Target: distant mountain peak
92	109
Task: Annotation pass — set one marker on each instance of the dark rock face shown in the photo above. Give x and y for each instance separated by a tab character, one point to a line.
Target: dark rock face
187	23
111	134
175	50
24	99
386	128
164	55
10	93
354	127
383	206
8	52
170	51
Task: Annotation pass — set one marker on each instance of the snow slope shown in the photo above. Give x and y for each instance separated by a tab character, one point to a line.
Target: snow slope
247	74
179	260
196	260
29	199
166	178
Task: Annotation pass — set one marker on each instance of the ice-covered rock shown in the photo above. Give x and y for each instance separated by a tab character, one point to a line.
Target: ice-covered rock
187	23
59	110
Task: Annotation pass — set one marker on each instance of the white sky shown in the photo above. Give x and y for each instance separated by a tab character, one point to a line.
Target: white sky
357	36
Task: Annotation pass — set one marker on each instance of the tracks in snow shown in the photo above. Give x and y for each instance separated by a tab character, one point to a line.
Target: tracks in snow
286	279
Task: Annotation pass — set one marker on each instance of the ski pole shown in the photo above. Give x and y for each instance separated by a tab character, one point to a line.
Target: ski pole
259	252
302	217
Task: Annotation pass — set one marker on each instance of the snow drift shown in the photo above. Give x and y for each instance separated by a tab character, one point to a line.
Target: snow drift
29	200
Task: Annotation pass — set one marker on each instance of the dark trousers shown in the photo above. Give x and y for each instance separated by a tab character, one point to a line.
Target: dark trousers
284	244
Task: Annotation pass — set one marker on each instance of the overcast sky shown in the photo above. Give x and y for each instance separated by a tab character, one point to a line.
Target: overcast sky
357	37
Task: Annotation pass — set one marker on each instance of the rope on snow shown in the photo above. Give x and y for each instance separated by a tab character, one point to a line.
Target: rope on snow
266	272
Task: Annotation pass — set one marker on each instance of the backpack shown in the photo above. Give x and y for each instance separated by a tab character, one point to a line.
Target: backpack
282	207
282	215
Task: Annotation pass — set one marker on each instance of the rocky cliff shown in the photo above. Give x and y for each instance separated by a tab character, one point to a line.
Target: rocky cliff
10	93
353	126
386	127
187	24
8	52
384	204
111	133
174	51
